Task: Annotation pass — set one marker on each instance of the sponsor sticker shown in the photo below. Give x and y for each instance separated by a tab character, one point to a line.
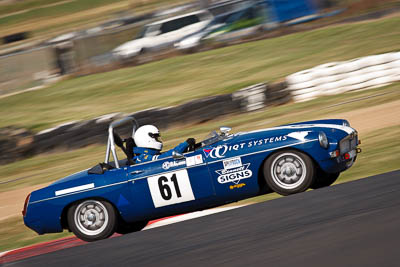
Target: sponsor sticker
198	159
232	163
216	152
265	141
194	160
221	151
234	175
170	164
231	187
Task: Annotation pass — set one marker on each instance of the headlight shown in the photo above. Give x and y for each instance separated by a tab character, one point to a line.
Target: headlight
323	140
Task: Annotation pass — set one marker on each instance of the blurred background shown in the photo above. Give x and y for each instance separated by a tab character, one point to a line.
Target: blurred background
70	67
40	41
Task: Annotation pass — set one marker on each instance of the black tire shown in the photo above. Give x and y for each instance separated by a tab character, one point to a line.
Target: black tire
126	228
92	219
289	172
324	179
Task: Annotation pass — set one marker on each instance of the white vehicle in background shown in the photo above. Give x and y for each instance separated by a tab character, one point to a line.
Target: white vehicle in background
247	16
163	34
194	39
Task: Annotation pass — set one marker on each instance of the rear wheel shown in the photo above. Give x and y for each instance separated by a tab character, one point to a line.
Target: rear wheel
92	220
289	172
324	179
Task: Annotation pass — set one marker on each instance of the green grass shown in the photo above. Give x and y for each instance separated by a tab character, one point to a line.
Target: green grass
177	80
45	19
198	75
53	11
14	234
49	167
18	6
381	153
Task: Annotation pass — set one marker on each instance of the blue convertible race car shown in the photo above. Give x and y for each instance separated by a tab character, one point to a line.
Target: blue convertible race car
122	196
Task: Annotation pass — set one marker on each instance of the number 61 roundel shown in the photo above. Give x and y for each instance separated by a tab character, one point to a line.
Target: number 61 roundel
170	188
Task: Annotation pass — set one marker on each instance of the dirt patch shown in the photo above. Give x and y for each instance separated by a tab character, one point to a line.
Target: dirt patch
12	202
373	118
365	120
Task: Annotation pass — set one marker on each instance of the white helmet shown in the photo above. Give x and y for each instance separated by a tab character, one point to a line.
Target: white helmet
148	136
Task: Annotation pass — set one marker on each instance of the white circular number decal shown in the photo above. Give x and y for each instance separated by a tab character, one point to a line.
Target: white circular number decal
170	188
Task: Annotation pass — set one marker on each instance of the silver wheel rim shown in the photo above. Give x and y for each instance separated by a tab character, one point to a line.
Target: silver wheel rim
91	217
288	171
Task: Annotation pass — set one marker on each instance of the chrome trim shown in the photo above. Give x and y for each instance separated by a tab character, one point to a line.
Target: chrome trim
144	177
167	171
257	152
266	150
135	172
353	142
323	140
155	160
91	189
225	130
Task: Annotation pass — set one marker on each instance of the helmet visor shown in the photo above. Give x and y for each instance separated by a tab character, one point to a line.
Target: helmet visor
156	136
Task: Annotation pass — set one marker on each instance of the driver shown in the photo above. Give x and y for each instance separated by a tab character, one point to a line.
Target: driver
149	145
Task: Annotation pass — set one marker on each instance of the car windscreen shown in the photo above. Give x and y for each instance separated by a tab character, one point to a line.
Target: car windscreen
177	24
212	138
148	30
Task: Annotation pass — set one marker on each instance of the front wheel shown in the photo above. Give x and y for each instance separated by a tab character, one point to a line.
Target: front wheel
92	220
289	172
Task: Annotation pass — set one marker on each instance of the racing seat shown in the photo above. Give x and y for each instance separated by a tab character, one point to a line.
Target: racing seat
128	150
130	144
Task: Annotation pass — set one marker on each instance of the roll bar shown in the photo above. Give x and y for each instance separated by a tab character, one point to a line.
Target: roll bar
111	142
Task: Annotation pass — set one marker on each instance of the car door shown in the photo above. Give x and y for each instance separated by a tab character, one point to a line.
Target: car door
166	186
169	30
193	24
233	169
176	29
187	26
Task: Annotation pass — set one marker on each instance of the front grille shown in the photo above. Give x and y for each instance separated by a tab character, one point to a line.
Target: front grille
348	143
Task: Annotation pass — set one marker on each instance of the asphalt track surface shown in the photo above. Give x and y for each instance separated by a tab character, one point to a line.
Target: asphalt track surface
351	224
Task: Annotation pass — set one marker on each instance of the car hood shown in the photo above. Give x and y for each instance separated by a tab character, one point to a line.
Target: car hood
131	47
72	181
339	128
72	177
328	122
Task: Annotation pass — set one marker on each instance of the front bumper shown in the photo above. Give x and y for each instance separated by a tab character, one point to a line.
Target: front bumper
43	218
344	155
348	149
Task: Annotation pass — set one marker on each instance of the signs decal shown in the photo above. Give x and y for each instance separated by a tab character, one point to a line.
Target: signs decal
234	175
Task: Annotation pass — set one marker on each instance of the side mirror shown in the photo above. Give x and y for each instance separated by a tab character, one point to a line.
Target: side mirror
177	155
225	130
153	33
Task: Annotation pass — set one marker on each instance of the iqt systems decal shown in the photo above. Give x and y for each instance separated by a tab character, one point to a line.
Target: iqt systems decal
234	171
220	151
